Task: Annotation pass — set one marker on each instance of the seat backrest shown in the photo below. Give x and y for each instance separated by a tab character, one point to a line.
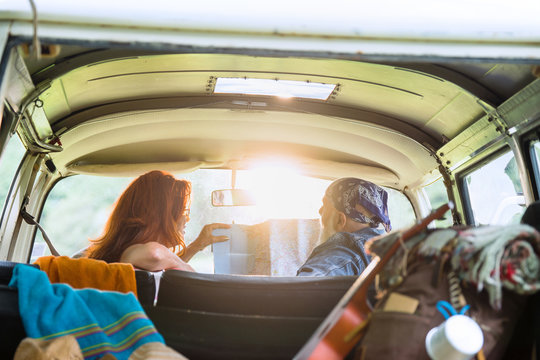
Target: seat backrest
6	270
207	335
146	287
531	216
146	284
252	295
12	330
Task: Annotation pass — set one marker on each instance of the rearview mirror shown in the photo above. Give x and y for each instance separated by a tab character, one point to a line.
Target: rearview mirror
232	197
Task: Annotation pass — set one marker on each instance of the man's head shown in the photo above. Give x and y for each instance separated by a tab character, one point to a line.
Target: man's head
351	204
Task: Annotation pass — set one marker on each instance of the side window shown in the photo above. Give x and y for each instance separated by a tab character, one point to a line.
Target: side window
535	159
75	211
437	195
9	163
400	210
494	192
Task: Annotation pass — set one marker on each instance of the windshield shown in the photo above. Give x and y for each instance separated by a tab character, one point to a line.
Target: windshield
77	208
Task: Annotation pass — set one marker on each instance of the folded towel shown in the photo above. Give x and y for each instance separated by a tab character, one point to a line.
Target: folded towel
89	273
102	322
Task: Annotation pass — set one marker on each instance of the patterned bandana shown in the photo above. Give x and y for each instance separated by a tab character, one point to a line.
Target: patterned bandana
346	193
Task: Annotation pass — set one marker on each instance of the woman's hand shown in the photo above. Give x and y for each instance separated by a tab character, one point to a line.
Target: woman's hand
204	239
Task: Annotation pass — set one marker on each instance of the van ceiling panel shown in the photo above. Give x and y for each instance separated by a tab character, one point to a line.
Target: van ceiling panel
222	135
520	109
391	116
413	97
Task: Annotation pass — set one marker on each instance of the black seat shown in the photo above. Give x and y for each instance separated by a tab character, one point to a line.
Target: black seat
526	337
146	287
252	295
146	284
6	270
207	335
12	330
207	316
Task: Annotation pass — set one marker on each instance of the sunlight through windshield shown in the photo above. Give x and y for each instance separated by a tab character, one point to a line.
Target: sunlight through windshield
281	192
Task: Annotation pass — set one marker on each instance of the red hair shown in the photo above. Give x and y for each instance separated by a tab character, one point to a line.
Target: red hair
148	210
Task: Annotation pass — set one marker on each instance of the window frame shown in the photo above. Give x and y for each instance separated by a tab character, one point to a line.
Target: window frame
461	176
16	174
533	167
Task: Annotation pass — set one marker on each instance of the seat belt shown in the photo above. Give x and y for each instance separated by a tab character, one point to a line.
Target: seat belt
29	219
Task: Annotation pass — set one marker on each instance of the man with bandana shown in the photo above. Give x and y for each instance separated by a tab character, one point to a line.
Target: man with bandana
351	213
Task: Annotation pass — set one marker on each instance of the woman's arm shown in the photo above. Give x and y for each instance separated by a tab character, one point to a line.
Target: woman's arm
204	239
153	256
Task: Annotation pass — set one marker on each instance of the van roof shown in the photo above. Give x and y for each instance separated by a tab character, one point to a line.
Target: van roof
133	88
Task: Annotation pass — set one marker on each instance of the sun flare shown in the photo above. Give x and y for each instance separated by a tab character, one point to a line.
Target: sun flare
281	192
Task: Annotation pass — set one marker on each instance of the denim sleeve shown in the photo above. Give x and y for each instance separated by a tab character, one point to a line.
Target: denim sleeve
318	269
332	261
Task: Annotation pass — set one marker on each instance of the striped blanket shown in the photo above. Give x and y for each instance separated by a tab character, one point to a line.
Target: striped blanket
101	321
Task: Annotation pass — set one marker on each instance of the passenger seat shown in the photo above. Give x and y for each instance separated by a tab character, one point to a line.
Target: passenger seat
207	316
11	330
6	270
146	286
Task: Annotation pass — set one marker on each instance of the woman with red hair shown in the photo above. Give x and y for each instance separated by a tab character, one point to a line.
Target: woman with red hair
147	226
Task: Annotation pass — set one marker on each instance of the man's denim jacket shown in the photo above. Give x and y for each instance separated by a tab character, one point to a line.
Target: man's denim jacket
342	254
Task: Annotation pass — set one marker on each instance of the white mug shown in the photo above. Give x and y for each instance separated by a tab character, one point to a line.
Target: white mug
458	338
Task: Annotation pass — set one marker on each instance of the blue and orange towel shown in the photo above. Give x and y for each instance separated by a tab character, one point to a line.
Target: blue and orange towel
89	273
101	321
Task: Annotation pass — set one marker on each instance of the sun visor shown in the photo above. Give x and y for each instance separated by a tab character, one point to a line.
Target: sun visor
128	170
378	175
327	169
